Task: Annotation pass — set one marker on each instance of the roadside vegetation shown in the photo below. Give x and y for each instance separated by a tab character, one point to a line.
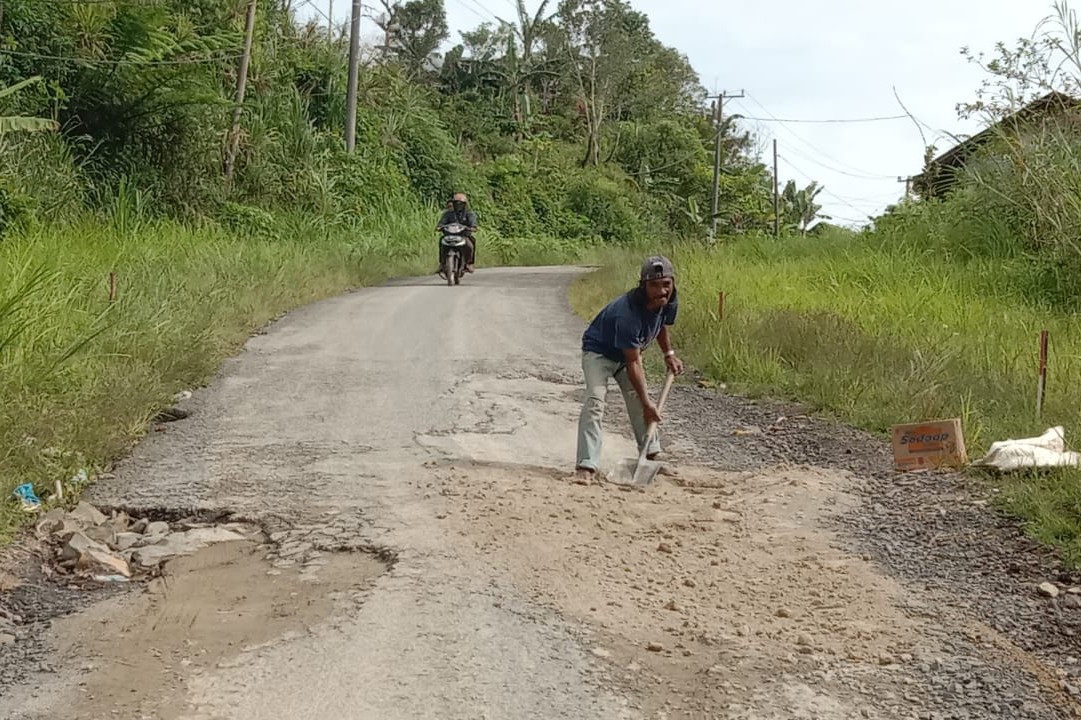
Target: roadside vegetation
934	310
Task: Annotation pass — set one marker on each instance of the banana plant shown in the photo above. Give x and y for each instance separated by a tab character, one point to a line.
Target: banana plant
799	207
15	123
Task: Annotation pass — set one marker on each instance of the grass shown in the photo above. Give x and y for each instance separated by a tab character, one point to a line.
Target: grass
879	335
81	377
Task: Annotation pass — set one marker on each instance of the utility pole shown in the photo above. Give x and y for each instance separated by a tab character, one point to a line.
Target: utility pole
776	196
241	87
354	66
330	20
718	114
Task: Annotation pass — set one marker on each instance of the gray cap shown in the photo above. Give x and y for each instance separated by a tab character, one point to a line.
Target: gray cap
657	267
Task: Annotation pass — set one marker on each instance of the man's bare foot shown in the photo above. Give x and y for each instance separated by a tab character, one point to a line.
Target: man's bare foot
584	476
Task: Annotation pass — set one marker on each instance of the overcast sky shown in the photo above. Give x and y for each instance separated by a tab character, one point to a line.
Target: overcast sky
831	60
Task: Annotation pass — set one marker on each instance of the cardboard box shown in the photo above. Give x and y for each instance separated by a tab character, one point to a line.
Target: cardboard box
929	445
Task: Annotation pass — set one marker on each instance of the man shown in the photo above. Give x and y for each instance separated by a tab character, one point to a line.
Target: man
612	348
460	213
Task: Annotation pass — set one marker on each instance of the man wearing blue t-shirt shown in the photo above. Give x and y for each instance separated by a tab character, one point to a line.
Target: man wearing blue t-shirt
612	348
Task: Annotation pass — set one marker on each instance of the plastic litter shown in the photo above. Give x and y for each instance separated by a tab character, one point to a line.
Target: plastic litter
80	478
27	498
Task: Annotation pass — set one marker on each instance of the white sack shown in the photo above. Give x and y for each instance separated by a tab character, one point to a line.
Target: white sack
1046	451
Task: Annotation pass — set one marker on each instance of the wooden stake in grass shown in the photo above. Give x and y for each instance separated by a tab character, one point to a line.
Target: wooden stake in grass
720	305
112	286
1041	384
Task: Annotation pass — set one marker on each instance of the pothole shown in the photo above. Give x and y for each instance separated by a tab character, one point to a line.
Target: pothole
213	587
211	610
116	546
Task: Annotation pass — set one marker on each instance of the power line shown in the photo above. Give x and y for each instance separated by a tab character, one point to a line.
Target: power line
466	7
830	120
484	7
825	190
316	8
816	149
852	171
858	176
850	220
875	200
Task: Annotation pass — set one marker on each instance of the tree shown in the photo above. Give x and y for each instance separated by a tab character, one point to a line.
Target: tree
413	32
1049	60
600	39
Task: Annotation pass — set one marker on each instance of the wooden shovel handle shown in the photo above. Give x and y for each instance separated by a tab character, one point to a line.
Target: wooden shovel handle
664	393
652	427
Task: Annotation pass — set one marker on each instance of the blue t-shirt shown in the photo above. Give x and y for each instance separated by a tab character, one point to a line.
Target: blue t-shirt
623	325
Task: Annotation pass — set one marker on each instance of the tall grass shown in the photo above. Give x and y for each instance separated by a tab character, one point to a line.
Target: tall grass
879	334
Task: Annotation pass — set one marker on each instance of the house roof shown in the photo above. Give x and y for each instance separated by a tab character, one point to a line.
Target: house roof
957	154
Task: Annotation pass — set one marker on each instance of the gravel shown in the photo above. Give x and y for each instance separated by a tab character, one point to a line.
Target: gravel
27	610
934	532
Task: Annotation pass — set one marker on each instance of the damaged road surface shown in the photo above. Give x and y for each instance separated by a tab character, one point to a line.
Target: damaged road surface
404	542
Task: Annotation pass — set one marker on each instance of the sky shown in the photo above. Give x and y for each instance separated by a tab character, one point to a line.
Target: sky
801	62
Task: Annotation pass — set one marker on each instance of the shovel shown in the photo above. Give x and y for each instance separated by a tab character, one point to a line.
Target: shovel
641	471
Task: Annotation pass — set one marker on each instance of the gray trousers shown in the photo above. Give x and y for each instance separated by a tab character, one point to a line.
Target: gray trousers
598	371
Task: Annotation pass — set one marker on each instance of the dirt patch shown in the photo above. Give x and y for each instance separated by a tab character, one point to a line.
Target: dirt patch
729	592
934	532
134	658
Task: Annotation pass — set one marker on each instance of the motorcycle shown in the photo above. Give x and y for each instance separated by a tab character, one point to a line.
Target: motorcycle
453	242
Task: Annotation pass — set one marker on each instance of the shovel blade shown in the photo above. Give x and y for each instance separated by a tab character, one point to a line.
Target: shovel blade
632	472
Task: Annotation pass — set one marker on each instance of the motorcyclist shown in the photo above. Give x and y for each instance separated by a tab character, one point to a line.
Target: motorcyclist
459	212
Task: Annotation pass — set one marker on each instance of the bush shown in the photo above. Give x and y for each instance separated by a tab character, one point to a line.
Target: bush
607	207
249	221
368	181
17	209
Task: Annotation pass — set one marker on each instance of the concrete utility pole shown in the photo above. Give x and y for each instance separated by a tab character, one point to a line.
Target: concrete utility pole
354	66
241	87
718	114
